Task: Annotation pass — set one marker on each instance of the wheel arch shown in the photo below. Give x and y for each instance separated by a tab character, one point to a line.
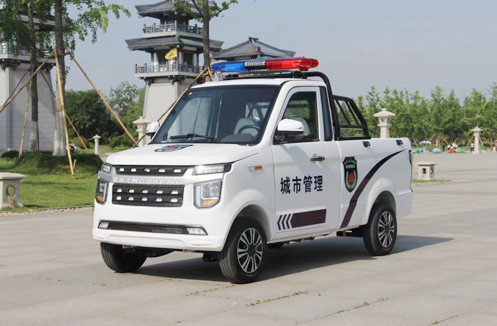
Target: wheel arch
382	192
386	197
257	213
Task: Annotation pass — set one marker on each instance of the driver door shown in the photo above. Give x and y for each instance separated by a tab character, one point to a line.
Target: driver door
302	176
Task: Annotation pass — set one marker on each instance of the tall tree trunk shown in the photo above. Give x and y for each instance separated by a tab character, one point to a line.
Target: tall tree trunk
59	143
206	21
34	139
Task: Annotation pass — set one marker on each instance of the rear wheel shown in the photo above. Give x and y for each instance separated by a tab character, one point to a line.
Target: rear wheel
380	234
243	255
121	260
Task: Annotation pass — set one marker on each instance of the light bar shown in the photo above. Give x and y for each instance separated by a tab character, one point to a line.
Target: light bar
236	66
301	64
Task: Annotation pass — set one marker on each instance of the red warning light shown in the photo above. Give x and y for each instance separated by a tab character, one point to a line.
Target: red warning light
302	64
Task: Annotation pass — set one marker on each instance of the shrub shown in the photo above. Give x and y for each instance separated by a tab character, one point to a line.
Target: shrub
10	155
120	141
78	143
46	163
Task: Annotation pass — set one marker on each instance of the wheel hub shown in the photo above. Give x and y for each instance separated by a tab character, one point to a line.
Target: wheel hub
250	250
386	229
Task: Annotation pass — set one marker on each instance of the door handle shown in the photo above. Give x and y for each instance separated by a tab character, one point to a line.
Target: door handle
366	143
316	158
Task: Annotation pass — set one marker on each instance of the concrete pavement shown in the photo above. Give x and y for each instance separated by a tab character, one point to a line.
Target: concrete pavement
443	270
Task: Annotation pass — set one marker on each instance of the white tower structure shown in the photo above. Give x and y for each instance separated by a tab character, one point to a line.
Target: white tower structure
167	79
13	65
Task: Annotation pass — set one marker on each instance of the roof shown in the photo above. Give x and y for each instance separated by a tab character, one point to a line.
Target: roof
43	24
260	81
165	42
155	9
252	48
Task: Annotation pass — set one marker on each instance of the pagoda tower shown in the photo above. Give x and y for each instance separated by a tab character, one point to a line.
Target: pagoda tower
13	65
167	79
252	49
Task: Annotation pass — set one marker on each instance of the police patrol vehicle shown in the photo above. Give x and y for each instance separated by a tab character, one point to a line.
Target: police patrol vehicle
266	156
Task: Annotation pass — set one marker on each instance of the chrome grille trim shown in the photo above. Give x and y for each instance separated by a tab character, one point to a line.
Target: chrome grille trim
151	170
147	195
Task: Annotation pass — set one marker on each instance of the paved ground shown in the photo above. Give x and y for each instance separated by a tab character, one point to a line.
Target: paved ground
444	270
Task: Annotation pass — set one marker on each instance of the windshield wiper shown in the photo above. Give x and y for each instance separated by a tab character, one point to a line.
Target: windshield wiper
187	136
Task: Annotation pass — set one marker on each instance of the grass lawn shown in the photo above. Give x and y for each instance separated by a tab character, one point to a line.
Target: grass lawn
416	182
50	185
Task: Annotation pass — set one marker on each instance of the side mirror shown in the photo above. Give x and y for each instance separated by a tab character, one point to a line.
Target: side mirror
291	127
288	128
152	128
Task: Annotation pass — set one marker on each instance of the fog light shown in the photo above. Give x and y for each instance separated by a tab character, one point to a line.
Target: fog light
197	231
103	225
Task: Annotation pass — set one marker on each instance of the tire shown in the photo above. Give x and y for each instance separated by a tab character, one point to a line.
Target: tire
117	259
248	266
382	220
276	245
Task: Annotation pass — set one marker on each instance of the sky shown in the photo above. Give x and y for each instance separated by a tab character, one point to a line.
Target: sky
413	45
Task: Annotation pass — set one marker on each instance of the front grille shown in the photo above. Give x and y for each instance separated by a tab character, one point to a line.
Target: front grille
168	170
149	227
147	195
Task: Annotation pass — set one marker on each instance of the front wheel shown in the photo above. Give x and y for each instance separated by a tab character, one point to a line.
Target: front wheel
121	260
380	234
243	255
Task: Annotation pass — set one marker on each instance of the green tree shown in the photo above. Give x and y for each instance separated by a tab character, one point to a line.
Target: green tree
490	115
123	97
89	115
204	11
474	105
93	17
452	118
135	111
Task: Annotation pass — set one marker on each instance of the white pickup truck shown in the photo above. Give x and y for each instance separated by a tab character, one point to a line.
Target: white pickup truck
262	158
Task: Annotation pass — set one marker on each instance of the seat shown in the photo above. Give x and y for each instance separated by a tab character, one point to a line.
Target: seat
243	123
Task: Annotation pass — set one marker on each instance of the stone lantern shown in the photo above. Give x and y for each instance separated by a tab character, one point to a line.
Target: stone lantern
96	139
141	127
477	132
385	117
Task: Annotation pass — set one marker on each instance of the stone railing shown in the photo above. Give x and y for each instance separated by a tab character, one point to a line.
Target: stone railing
150	69
172	28
9	48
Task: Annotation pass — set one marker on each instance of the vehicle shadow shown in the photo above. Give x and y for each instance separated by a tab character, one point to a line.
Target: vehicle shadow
290	259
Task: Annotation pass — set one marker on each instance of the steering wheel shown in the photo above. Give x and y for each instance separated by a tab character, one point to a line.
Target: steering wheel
248	127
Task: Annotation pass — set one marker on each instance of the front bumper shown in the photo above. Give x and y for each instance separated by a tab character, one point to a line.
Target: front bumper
216	222
157	240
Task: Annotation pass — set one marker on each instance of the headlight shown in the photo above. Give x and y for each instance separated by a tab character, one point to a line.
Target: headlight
207	194
101	192
106	167
212	169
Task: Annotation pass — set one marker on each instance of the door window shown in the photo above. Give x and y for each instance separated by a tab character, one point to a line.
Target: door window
351	125
303	107
328	133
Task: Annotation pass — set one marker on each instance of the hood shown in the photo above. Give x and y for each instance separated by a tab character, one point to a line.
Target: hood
182	154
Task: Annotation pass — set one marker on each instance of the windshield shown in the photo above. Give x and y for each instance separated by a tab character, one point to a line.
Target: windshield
230	114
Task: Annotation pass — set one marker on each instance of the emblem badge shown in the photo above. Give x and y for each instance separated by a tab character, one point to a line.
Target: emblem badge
171	148
350	168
